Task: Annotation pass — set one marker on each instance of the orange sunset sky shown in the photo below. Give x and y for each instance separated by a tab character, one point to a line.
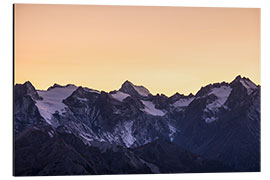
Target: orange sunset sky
166	49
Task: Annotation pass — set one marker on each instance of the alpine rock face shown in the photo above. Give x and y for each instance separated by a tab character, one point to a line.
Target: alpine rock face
68	130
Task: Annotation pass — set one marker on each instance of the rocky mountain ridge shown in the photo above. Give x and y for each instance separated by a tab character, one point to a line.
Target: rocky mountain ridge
220	124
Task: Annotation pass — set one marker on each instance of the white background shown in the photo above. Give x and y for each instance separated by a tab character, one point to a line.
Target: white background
6	76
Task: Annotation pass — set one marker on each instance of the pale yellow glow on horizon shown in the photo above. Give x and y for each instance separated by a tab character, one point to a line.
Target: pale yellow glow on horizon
166	49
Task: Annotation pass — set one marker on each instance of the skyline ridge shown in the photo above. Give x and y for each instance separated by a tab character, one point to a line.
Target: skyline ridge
238	77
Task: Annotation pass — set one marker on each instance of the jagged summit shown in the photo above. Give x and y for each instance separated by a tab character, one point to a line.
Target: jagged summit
240	78
244	83
127	82
239	81
130	88
26	89
28	83
60	86
236	80
178	95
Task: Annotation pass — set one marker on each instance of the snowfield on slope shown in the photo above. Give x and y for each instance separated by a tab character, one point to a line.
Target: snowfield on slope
141	90
149	108
52	101
126	135
222	93
250	86
120	96
183	102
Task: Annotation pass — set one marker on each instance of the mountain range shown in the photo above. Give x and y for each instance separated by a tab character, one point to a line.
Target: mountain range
71	130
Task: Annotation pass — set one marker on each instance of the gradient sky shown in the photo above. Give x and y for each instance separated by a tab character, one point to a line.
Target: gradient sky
166	49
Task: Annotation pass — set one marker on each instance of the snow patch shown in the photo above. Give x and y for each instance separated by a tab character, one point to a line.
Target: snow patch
211	119
86	137
82	99
149	108
51	133
127	137
250	86
109	137
172	132
52	101
222	93
120	96
36	128
183	102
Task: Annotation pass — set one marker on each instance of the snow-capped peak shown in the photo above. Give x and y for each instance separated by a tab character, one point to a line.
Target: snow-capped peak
129	88
245	82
